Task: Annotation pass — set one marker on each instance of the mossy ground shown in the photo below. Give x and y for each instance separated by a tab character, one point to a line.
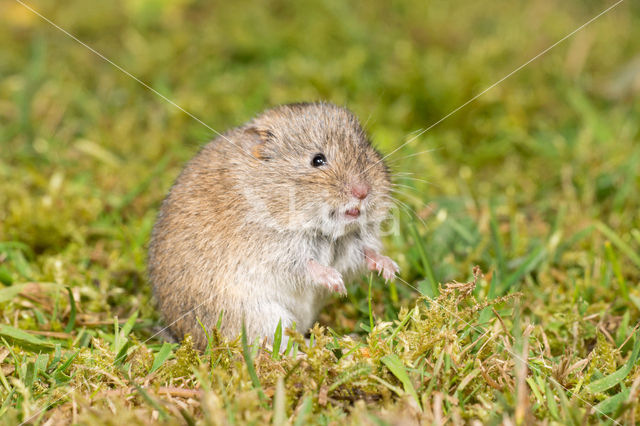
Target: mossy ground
537	182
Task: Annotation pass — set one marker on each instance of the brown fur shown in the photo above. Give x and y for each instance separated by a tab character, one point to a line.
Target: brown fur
235	232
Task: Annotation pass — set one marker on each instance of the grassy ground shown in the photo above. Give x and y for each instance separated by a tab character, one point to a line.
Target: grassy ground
537	182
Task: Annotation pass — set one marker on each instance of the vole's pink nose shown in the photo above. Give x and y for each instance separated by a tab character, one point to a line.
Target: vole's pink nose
360	190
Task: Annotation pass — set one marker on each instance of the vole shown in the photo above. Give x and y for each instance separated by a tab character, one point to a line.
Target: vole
267	221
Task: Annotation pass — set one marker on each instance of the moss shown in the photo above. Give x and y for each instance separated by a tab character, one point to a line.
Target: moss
186	359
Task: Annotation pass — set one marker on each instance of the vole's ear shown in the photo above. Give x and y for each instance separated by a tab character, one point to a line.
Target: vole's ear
260	138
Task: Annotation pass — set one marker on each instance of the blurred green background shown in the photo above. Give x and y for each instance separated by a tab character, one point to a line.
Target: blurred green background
537	181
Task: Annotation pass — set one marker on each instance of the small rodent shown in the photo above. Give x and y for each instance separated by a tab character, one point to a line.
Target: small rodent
266	221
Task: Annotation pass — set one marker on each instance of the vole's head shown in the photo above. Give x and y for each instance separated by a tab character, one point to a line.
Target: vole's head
313	168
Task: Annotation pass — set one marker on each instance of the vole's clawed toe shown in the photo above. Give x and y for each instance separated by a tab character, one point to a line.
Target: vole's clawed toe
327	276
332	279
384	265
390	269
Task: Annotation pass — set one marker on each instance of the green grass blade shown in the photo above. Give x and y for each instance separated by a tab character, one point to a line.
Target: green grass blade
25	340
305	411
67	363
5	276
431	289
623	329
571	241
206	335
616	377
534	388
3	380
277	341
369	301
121	336
401	326
552	405
492	293
121	356
617	271
528	265
612	404
31	374
128	326
57	355
246	353
116	334
9	293
468	238
219	323
187	417
41	363
162	355
498	246
564	401
395	365
618	242
152	401
290	342
7	401
72	314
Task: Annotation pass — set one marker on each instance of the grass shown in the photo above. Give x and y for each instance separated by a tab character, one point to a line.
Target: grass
537	182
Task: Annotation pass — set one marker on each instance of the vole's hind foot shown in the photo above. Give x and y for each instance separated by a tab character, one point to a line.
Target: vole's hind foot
327	277
384	265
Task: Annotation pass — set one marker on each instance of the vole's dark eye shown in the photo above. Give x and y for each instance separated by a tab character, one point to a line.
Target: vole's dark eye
318	160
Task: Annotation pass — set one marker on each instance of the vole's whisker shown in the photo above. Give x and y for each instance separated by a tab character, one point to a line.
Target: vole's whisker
401	185
416	200
417	180
409	178
414	132
409	212
364	126
395	160
413	197
406	206
399	176
421	203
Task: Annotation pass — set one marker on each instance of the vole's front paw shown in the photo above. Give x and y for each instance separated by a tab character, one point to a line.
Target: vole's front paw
332	279
327	276
384	265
